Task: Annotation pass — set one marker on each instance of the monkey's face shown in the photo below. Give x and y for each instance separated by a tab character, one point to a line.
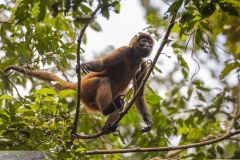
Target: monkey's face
145	45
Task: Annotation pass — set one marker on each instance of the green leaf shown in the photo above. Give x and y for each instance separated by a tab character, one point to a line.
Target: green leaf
22	12
175	6
190	91
153	99
83	20
4	117
86	9
198	37
2	6
80	149
182	62
116	5
206	26
185	73
5	96
66	93
204	7
42	10
228	68
158	69
34	107
49	99
228	8
105	12
96	26
186	17
200	156
54	9
201	97
46	91
220	150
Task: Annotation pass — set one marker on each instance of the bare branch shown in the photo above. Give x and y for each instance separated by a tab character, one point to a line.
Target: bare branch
1	21
22	100
159	149
79	41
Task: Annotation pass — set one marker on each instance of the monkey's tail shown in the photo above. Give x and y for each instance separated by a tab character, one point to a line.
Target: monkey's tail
51	78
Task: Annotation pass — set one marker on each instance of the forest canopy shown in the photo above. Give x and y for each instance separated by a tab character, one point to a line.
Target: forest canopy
192	92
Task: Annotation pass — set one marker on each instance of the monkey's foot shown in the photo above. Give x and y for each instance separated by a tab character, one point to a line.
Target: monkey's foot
149	125
145	129
109	128
119	101
85	67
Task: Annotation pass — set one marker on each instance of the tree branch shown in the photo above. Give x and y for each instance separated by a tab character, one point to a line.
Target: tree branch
5	76
79	41
1	21
158	149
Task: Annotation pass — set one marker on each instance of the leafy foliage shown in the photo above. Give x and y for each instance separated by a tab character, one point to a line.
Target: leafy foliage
185	107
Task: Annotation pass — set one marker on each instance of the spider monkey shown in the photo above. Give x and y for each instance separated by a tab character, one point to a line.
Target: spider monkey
107	78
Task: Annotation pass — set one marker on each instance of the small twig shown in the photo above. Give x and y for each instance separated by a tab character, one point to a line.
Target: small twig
1	21
159	149
190	36
225	51
164	1
22	100
197	69
236	110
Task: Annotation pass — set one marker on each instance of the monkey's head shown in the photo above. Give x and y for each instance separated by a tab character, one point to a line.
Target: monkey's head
142	44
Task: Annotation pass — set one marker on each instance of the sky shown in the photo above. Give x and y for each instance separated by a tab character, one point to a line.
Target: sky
118	29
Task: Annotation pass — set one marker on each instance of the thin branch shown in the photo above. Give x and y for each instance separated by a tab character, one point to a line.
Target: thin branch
236	109
158	149
79	40
164	1
22	100
1	21
190	37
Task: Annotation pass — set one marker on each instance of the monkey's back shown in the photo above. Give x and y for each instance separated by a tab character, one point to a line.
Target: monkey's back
121	75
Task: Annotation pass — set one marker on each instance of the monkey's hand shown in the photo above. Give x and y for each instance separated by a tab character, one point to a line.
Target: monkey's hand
149	124
109	128
94	66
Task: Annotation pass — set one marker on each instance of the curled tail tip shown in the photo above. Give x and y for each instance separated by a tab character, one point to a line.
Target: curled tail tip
7	69
11	67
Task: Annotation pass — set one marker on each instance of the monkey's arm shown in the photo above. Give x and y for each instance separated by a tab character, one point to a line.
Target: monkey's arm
140	101
51	78
114	58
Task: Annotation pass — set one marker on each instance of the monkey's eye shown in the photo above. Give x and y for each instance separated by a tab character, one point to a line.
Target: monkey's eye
143	41
150	43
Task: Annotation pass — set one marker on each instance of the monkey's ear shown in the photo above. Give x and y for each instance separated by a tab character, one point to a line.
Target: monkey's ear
133	40
139	33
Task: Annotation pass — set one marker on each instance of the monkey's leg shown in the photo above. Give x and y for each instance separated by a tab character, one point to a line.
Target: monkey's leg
119	102
104	97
